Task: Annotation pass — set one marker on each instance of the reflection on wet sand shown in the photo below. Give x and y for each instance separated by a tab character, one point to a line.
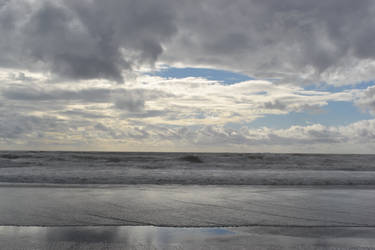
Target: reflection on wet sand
125	237
82	234
149	237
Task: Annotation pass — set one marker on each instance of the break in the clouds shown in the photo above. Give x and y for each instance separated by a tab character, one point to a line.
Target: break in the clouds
187	75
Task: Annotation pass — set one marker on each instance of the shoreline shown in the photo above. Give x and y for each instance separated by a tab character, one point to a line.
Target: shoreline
109	185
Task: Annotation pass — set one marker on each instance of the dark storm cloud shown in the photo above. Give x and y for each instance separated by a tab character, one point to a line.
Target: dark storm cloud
84	39
291	40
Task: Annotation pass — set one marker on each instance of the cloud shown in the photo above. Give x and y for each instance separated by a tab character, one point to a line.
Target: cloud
37	94
366	100
133	102
85	39
21	76
47	130
16	126
295	135
150	113
84	114
186	101
299	42
291	139
302	42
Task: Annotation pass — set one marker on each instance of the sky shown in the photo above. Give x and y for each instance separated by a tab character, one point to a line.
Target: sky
198	76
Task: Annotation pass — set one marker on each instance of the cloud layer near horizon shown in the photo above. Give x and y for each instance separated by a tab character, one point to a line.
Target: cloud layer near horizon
154	113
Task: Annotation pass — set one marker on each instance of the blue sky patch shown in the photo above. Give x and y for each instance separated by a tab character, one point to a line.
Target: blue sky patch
334	114
223	76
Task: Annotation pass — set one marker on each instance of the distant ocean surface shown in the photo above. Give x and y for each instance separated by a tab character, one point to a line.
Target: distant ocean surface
185	168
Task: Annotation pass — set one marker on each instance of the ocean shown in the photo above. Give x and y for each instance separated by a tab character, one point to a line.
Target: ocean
185	168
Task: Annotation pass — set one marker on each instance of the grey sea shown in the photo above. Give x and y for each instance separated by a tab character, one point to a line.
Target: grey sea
100	200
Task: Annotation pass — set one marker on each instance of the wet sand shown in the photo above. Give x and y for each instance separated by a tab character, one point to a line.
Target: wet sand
149	237
190	216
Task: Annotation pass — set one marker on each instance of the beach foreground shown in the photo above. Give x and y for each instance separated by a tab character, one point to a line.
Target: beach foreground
149	237
171	216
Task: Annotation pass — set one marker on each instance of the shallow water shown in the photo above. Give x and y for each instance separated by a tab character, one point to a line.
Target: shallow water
186	206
